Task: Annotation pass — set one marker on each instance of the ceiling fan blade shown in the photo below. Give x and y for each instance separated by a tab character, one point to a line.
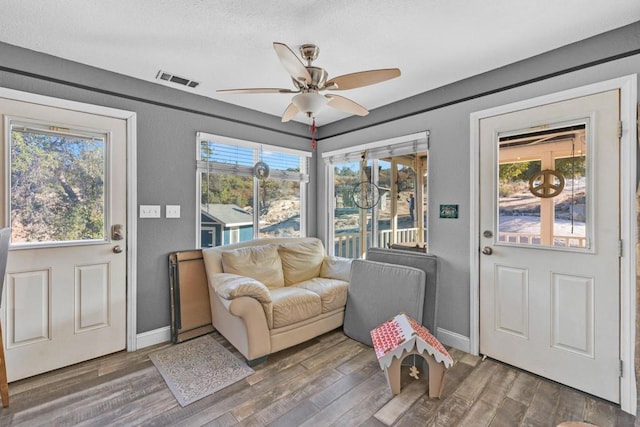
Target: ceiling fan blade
292	63
258	90
345	104
362	78
290	112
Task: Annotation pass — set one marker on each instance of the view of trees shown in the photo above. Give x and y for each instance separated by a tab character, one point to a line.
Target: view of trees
521	171
227	189
513	176
57	187
238	190
347	175
227	179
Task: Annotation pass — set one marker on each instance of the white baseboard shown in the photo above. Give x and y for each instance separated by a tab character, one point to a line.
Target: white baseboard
454	339
149	338
160	335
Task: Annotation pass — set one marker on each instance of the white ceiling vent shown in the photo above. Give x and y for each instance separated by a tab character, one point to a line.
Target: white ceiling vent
163	75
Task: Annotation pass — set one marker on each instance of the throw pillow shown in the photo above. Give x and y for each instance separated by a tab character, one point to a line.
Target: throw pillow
259	262
301	261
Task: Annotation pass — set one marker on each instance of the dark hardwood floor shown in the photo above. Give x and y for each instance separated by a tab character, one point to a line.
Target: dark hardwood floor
331	380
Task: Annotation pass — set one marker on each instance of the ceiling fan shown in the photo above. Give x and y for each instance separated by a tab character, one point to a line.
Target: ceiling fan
309	81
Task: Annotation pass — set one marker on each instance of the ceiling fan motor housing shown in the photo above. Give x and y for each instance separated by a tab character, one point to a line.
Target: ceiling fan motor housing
318	78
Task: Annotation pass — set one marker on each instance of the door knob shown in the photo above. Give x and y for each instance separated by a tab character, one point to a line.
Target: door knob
117	249
487	250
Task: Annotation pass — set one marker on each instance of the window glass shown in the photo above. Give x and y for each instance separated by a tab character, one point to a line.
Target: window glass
57	186
236	206
393	220
543	188
346	214
279	208
226	209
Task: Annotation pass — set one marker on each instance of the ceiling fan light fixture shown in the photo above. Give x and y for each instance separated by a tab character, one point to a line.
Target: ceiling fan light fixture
309	102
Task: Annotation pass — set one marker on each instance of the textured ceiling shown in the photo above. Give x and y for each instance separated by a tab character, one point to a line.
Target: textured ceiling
228	43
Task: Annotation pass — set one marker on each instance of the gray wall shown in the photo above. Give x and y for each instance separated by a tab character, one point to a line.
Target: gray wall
167	120
445	113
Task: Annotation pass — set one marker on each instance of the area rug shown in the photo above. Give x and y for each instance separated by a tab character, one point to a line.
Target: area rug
197	368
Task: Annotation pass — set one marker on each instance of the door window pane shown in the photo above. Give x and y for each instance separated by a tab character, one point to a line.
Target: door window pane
542	188
519	212
570	208
57	186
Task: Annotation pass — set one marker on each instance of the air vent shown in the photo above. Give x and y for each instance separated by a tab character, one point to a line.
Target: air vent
163	75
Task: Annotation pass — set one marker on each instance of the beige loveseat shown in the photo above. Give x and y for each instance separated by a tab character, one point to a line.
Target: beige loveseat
270	294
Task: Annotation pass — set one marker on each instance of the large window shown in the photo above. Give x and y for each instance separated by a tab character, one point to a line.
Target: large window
235	205
396	170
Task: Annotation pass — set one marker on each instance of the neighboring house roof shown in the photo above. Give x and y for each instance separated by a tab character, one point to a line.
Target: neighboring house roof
228	215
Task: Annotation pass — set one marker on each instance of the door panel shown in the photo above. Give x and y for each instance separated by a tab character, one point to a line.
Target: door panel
92	297
512	300
31	292
549	210
64	186
572	313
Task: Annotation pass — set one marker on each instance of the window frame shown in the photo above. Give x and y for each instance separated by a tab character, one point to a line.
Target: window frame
54	128
203	167
412	143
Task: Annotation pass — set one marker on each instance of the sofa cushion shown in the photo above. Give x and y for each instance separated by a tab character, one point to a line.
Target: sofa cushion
292	304
259	262
301	261
336	268
333	293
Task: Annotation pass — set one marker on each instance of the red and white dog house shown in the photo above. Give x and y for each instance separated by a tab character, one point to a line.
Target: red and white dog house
402	336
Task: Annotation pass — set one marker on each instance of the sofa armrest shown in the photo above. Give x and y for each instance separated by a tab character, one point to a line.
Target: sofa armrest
336	268
230	286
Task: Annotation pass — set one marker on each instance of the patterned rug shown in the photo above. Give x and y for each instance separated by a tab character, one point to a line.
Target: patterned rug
197	368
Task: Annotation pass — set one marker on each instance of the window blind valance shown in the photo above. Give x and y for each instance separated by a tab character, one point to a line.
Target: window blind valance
244	170
400	146
224	155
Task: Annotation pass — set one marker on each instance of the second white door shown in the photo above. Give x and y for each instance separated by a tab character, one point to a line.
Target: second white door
549	262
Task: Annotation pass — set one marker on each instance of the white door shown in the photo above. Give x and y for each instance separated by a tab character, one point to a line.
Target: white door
64	195
549	222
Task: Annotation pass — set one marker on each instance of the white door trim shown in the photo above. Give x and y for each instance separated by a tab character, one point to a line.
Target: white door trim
132	197
628	98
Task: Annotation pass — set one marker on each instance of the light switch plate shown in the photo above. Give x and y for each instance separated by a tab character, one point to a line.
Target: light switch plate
173	211
149	211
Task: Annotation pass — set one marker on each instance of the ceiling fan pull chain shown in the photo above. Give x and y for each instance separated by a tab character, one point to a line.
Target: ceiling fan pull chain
313	134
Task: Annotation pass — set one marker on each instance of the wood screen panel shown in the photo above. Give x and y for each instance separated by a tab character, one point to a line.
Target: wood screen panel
190	309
